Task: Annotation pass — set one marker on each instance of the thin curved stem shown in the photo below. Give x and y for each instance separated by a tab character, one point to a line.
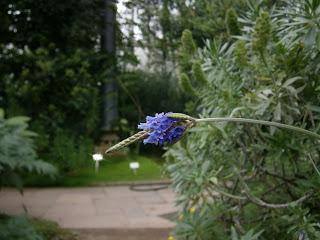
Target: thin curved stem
313	164
138	136
260	122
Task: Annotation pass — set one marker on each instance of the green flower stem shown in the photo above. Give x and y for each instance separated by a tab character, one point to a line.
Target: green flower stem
261	122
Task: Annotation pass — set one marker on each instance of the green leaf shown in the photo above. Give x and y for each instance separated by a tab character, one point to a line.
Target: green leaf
255	237
20	120
28	133
318	41
205	167
234	235
1	113
291	81
277	112
199	181
314	108
310	38
214	180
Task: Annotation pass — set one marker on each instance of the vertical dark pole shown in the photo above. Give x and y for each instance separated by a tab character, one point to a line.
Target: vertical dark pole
110	103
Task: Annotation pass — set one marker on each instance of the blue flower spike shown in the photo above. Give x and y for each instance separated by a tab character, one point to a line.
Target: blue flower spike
161	129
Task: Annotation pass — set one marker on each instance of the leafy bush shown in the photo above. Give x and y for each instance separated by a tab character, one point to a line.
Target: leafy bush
50	230
17	153
53	75
70	153
254	182
58	91
24	228
18	228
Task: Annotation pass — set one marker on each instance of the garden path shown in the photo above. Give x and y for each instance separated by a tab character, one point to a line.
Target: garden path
114	207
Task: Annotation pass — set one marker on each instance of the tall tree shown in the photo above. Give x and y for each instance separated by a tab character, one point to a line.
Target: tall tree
52	65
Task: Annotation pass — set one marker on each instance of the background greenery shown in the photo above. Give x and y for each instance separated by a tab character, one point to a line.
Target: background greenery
53	68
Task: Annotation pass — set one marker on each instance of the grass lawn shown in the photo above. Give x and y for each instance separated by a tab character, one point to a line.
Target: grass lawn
111	170
116	169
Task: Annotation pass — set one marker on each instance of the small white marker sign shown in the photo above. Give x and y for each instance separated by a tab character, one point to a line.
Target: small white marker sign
134	166
97	158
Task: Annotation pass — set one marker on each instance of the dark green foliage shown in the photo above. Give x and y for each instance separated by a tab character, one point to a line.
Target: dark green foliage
52	70
18	228
57	90
68	25
17	152
165	18
24	228
256	182
232	22
50	230
70	152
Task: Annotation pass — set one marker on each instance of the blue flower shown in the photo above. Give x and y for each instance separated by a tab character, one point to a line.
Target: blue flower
162	129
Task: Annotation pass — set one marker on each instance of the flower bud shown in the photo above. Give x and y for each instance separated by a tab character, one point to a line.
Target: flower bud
232	22
241	54
188	44
199	74
262	32
186	84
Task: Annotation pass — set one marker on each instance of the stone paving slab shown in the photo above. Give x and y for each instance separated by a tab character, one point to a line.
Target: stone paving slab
114	207
124	234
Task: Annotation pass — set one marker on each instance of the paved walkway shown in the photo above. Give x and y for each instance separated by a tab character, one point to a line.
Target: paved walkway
93	207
